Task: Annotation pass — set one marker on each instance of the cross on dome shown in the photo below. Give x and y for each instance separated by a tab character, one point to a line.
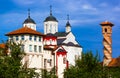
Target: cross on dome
50	9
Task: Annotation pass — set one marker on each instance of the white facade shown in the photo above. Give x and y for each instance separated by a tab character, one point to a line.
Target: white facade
50	27
33	47
74	51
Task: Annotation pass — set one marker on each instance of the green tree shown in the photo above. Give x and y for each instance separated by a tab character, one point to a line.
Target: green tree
48	74
10	64
87	67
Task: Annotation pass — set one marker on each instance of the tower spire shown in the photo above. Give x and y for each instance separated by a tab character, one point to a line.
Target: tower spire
68	26
28	13
68	17
50	9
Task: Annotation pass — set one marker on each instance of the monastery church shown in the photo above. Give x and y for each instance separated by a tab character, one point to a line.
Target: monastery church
48	50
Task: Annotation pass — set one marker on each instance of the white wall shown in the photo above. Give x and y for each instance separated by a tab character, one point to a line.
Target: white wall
50	27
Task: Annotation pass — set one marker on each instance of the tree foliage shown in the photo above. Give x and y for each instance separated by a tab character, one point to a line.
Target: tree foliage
89	67
49	74
11	65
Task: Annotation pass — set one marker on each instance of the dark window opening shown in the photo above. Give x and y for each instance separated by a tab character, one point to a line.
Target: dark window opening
105	29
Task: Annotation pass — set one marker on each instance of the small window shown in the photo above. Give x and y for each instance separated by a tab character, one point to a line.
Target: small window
45	63
50	62
35	48
30	48
30	37
17	38
39	48
11	37
39	38
22	37
105	29
22	47
35	37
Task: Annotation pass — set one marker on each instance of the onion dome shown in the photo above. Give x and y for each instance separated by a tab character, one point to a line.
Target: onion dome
29	19
51	17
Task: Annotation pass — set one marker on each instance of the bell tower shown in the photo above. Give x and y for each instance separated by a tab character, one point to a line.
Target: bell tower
107	41
50	24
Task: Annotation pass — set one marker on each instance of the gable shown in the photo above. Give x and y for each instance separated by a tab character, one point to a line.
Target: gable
70	40
60	49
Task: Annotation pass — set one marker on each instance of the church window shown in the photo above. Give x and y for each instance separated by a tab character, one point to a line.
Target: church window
35	48
22	47
17	38
64	60
50	62
39	48
76	57
35	37
45	62
39	38
22	37
30	37
30	48
55	28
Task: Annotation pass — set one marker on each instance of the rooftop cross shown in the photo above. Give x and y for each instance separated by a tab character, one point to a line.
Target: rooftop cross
68	17
28	13
50	10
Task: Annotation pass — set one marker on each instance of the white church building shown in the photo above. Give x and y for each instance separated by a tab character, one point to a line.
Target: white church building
48	50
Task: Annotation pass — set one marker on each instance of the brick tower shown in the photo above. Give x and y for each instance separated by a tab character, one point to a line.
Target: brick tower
107	41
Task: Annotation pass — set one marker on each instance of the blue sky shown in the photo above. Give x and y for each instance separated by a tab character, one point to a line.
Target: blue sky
85	17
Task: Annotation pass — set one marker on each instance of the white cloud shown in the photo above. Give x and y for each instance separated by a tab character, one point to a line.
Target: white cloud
88	7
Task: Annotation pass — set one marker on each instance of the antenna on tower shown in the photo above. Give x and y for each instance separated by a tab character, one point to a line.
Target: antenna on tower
50	9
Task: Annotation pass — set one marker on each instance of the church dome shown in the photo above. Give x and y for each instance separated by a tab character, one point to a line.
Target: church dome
68	24
29	20
50	18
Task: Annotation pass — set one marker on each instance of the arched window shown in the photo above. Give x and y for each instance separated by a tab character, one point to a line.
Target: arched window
105	29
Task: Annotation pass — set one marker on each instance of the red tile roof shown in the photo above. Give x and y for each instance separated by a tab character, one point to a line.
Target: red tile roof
2	45
24	30
107	23
115	62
